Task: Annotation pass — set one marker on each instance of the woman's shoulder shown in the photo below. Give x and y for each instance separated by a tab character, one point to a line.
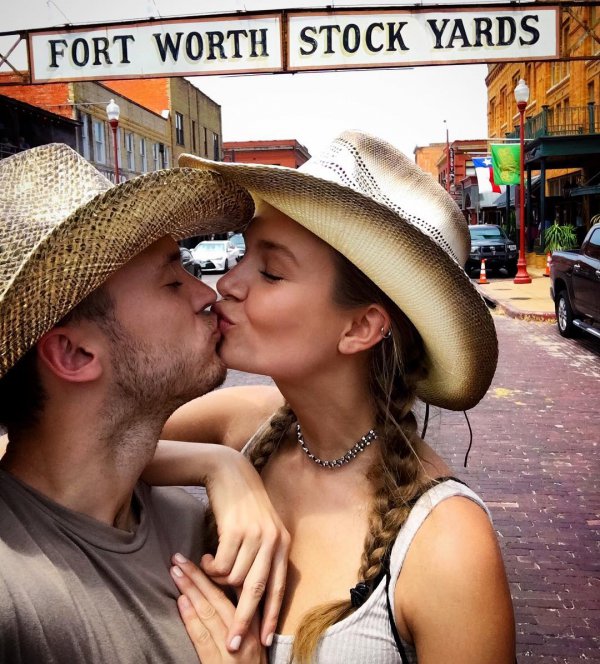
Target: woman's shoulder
228	416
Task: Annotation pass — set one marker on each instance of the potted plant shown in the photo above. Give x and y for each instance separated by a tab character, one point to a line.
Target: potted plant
560	238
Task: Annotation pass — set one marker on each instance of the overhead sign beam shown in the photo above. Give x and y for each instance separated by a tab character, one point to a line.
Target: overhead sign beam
293	41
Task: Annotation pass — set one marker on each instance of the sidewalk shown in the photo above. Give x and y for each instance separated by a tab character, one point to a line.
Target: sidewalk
529	301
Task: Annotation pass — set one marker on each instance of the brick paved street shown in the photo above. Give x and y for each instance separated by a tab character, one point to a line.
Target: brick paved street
536	462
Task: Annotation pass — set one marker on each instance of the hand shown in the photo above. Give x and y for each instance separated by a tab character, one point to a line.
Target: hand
206	613
253	545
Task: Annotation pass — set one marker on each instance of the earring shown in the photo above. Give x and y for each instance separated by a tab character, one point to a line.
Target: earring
386	335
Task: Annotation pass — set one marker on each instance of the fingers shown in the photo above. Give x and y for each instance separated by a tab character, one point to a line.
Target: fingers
206	647
267	575
226	556
274	595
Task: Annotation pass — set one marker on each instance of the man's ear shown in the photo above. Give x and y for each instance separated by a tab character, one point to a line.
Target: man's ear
366	329
70	354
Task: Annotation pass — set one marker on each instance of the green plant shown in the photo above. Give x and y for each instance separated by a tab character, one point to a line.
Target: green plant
560	238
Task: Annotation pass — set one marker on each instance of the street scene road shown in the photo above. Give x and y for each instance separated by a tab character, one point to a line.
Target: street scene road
535	460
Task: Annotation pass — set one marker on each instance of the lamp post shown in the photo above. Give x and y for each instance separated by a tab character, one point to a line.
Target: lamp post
522	96
447	159
112	110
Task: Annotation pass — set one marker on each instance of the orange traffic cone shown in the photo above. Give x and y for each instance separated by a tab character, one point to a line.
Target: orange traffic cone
548	261
482	278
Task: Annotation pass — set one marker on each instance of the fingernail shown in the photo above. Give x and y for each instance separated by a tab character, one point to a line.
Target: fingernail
175	571
235	643
269	641
178	557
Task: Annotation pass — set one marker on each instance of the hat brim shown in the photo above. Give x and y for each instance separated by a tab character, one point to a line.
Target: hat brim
101	236
418	275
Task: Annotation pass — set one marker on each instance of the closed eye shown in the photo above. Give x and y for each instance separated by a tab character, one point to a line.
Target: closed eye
270	277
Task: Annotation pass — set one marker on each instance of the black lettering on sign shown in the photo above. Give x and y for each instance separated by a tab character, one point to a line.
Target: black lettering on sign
328	29
534	32
80	52
236	34
165	45
369	38
215	42
507	30
458	32
256	40
101	48
438	31
307	39
351	38
56	52
483	28
394	36
123	39
194	46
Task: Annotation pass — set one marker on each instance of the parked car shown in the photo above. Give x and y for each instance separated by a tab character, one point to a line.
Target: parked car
491	242
215	255
575	286
240	243
190	263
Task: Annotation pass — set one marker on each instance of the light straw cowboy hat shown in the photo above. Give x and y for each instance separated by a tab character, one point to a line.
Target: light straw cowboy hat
65	228
400	227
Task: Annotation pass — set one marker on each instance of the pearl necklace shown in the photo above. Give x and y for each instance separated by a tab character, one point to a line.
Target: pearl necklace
352	453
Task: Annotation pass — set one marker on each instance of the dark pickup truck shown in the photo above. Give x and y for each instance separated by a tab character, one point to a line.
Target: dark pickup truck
575	286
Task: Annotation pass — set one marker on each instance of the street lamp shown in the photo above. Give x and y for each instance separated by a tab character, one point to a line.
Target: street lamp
522	97
112	110
447	159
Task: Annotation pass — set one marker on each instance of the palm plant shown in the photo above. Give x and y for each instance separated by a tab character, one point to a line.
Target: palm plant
560	238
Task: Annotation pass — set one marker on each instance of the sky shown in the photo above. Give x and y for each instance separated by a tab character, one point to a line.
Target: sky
407	107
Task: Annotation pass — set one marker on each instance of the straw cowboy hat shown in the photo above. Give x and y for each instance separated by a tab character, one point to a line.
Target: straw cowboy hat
394	222
65	228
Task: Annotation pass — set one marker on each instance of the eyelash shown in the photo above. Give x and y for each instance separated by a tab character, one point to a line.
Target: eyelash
270	277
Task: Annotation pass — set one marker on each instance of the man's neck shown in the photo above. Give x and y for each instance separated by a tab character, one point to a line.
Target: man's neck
91	474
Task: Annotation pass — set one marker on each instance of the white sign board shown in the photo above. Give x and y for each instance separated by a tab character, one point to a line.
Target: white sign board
230	45
314	40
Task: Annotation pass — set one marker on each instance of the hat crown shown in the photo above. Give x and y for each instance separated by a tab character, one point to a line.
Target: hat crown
39	188
378	170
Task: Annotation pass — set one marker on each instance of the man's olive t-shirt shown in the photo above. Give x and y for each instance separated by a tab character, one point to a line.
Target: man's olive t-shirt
73	589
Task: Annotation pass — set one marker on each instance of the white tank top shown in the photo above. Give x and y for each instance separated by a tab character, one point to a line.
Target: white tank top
366	635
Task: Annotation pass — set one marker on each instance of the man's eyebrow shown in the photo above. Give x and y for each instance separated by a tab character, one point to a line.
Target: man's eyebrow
173	257
269	245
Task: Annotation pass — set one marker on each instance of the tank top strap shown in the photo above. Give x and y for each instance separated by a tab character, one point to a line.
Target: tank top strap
420	511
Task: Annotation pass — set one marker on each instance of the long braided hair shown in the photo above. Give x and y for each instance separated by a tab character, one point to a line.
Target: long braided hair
396	365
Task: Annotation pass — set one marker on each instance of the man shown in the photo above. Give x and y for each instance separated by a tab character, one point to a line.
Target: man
102	335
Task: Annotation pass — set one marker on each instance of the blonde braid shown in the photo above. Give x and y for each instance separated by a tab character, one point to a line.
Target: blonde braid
270	439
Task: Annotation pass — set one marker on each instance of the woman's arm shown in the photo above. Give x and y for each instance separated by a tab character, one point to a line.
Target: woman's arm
253	543
224	417
452	597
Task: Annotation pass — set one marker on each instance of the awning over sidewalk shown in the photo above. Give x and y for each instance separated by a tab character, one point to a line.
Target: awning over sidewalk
501	200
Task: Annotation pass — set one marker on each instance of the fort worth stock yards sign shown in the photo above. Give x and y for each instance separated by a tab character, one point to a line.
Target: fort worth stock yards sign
289	41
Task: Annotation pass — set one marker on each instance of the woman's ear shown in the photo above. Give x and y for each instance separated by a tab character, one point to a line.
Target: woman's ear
367	328
70	354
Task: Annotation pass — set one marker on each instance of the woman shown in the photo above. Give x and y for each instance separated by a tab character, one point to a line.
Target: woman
351	296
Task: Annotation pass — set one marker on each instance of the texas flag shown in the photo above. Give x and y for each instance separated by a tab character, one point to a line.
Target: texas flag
485	175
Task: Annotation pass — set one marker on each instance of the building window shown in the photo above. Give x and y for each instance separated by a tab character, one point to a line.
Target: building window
205	153
143	155
156	156
594	19
193	135
166	157
130	150
86	150
216	151
99	142
179	138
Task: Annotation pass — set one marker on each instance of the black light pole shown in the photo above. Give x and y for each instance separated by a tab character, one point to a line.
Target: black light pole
112	110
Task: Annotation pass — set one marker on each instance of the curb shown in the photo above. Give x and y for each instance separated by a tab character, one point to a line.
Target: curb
542	316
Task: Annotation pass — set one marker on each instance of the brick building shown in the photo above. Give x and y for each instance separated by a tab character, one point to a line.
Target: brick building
562	126
143	136
288	153
195	119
